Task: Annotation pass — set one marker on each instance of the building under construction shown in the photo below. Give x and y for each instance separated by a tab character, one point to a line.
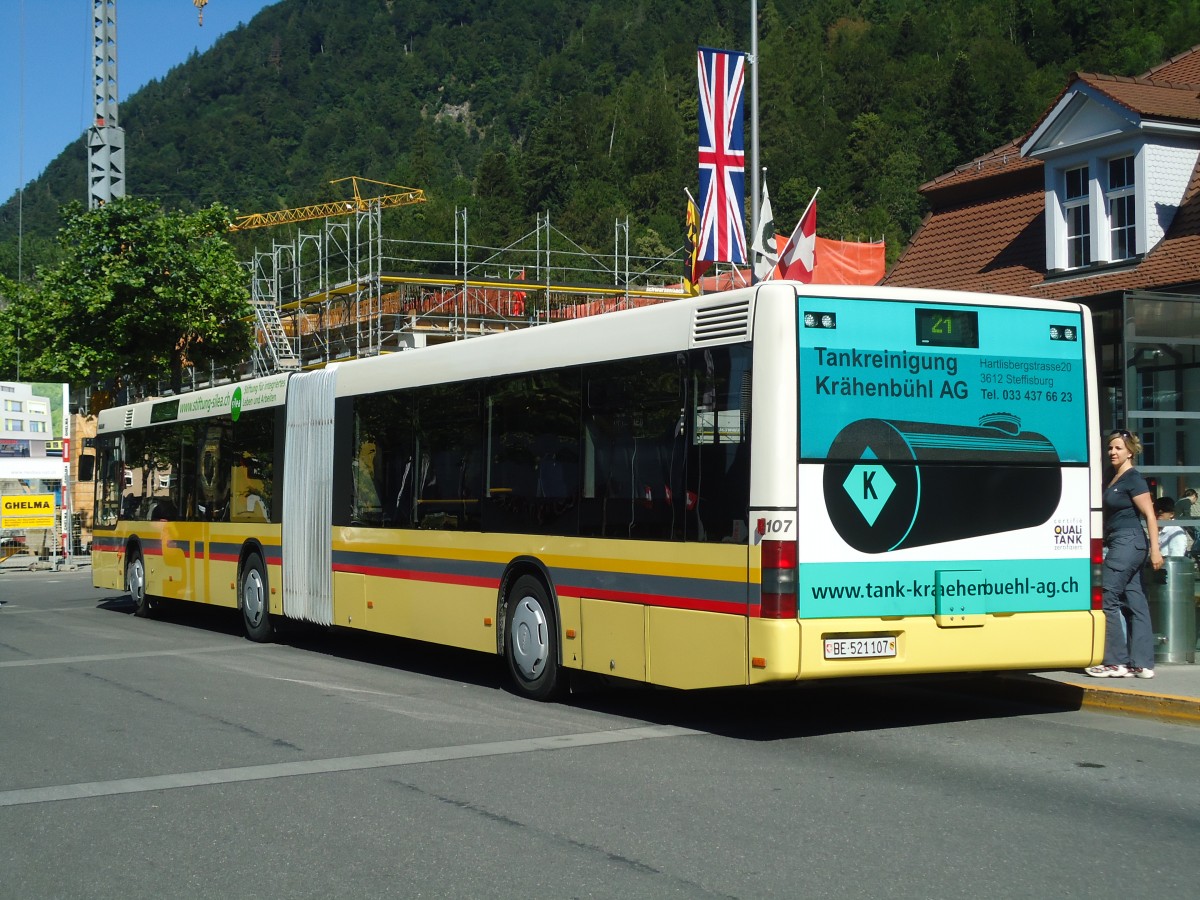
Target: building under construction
339	288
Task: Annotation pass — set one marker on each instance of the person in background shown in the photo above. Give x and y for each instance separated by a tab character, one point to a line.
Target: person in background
1187	508
1172	539
1128	635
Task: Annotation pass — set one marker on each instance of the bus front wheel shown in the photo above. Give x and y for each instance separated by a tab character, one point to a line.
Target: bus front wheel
135	580
252	598
531	641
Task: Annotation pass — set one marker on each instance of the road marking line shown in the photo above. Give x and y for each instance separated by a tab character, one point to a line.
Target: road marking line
108	657
54	793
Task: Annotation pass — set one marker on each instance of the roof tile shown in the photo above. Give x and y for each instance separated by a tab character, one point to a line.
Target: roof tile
1150	99
1181	69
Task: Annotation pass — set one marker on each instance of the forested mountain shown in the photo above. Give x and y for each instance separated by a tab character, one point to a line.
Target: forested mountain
587	108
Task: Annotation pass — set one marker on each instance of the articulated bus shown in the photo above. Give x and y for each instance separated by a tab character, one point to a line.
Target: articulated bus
778	483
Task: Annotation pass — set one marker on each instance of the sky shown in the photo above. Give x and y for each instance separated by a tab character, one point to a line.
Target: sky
46	76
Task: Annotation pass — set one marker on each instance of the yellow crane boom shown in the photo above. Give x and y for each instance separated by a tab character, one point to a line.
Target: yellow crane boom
401	196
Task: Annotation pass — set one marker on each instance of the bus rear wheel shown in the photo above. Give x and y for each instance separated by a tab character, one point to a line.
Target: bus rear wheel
252	598
531	641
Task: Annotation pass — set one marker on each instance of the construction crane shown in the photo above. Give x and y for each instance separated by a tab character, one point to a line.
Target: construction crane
401	196
200	4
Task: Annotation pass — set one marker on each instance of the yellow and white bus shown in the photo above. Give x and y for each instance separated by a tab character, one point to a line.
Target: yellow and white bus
777	483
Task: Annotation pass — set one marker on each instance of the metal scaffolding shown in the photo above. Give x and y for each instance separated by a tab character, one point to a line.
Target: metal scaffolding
346	291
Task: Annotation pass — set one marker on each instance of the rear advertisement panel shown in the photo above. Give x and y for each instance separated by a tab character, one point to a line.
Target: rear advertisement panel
945	443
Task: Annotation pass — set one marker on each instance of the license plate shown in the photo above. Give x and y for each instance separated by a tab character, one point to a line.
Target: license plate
859	648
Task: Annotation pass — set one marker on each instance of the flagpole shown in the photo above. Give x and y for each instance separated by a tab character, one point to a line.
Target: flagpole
811	202
754	198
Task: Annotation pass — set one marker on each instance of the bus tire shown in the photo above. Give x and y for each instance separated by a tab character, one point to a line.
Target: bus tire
135	581
252	600
531	641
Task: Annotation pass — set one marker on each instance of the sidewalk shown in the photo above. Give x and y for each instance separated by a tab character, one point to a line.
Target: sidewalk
1173	694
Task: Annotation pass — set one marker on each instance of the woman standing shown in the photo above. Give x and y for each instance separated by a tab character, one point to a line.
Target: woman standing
1128	635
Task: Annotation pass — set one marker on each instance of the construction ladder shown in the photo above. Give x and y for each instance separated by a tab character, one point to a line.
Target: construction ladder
277	341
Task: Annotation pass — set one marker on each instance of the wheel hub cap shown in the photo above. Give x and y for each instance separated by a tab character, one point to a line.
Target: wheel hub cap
530	638
253	597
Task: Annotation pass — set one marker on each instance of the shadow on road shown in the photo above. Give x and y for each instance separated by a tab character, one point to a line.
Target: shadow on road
768	713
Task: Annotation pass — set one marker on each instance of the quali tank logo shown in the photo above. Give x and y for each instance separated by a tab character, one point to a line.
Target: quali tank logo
1068	534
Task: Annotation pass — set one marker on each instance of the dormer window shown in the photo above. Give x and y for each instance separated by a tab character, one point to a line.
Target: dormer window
1092	204
1077	210
1122	208
1119	156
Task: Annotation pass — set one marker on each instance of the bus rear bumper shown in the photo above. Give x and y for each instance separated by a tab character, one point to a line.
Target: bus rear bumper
829	648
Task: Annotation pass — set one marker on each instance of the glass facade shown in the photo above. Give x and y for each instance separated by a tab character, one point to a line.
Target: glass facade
1158	394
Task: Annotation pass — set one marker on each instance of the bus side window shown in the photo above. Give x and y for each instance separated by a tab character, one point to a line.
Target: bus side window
450	448
183	478
367	507
110	480
634	449
718	467
210	475
384	468
532	479
251	456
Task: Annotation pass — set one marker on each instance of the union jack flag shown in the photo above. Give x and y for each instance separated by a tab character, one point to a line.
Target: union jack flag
722	155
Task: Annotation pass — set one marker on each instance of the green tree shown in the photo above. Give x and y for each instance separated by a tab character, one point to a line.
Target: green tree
138	295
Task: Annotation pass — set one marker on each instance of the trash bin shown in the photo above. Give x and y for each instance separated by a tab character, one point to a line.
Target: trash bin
1172	595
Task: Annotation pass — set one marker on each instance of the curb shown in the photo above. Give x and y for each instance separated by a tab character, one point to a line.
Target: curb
1046	691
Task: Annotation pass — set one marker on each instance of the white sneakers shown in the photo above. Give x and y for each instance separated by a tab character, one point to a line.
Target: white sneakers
1119	672
1108	672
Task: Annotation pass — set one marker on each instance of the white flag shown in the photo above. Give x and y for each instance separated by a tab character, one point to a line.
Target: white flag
764	239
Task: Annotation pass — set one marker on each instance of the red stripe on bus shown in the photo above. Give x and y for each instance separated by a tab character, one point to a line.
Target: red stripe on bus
718	606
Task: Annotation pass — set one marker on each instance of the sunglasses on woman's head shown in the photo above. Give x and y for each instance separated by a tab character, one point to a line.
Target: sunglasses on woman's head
1122	432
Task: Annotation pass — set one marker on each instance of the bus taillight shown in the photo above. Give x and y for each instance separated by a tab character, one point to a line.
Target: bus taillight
778	580
1097	573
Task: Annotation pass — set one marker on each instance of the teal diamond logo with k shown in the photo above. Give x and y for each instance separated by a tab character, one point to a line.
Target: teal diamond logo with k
869	486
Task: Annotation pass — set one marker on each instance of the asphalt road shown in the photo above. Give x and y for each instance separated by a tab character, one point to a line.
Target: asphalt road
173	758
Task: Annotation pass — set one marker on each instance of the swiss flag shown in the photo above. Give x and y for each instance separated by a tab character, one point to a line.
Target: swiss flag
798	258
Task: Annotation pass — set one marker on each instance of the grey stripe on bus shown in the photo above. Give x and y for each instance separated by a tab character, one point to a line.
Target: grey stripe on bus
585	579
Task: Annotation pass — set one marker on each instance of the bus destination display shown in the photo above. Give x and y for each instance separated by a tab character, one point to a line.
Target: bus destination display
947	328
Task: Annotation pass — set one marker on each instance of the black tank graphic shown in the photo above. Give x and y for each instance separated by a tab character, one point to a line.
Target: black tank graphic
890	485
